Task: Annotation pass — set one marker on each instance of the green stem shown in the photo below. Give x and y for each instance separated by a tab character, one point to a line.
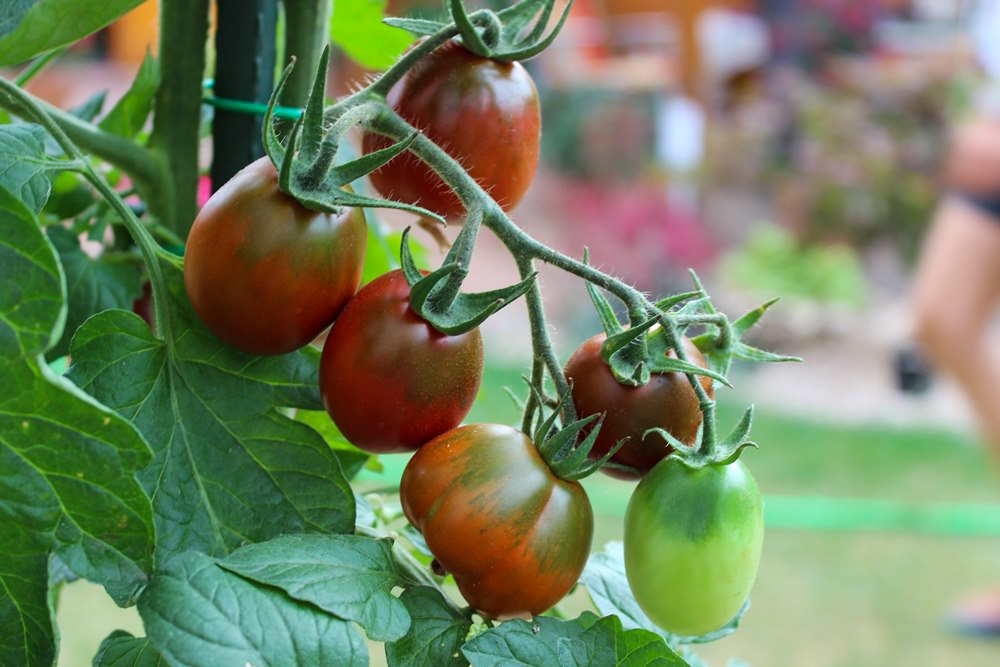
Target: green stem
177	112
531	405
151	252
540	342
307	31
36	66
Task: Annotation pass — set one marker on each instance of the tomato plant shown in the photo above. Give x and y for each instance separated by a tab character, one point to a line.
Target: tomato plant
483	112
266	274
184	466
495	516
390	380
692	544
667	401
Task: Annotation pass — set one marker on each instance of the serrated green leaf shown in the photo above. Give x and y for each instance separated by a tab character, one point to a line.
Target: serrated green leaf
358	29
92	285
35	26
588	640
229	468
349	576
129	114
606	583
195	614
436	632
120	649
351	459
68	486
23	165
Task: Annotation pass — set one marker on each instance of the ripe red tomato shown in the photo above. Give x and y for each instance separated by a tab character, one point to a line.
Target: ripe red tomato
514	536
263	272
667	401
484	113
390	380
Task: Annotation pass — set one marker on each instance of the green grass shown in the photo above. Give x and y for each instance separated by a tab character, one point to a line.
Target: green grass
867	544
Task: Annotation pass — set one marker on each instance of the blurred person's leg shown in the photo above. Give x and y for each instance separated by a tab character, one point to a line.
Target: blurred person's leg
956	297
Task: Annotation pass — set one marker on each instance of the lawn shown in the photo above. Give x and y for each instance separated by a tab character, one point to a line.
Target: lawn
872	533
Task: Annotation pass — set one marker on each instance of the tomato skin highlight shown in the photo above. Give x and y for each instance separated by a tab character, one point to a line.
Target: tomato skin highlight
693	542
264	273
389	380
514	536
667	401
484	113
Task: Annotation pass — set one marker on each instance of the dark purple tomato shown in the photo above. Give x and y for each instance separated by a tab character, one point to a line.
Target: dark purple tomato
390	380
484	113
667	401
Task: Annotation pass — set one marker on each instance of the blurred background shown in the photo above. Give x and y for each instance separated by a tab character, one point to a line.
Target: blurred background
786	148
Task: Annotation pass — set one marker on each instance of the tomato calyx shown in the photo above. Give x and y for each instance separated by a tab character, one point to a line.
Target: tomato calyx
437	296
306	161
559	448
633	354
722	453
502	35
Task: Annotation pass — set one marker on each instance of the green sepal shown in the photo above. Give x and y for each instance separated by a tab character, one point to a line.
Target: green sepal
459	313
306	162
677	299
627	356
609	321
751	318
509	40
749	353
571	462
723	453
416	27
660	362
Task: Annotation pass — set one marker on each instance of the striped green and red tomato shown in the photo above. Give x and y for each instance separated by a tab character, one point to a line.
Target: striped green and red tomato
514	536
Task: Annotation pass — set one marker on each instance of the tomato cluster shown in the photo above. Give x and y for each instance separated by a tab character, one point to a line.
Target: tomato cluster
267	275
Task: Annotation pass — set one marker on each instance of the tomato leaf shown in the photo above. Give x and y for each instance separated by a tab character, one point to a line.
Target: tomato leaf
358	29
229	468
129	114
416	27
588	640
349	576
120	649
436	632
68	486
351	459
32	27
92	285
196	613
23	165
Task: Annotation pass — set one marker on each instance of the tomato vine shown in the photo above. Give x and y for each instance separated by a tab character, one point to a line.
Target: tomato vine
222	490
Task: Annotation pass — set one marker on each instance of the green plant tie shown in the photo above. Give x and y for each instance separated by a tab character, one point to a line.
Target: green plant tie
243	106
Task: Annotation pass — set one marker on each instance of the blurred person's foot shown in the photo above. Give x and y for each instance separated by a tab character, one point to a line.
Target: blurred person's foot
977	614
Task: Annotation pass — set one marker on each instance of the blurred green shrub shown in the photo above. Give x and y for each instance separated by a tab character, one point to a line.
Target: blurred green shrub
773	261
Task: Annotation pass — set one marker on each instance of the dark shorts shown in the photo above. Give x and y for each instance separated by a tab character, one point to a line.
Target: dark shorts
988	204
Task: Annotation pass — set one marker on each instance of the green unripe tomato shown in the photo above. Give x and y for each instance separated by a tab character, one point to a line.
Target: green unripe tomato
692	544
